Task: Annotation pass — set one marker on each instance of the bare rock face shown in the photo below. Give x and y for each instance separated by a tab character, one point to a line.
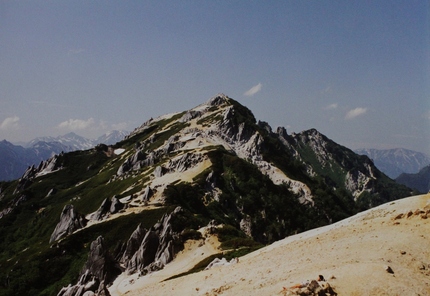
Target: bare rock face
133	243
99	263
26	179
70	221
108	207
156	248
191	114
184	162
102	211
116	205
45	167
158	172
147	194
218	100
173	144
140	160
145	255
51	192
98	270
358	182
312	288
132	162
5	211
49	166
246	226
265	125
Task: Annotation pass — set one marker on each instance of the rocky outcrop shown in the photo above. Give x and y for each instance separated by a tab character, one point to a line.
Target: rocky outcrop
184	162
32	172
158	172
246	225
173	144
132	163
218	100
133	244
107	208
221	262
70	221
139	160
264	125
231	131
51	192
24	182
155	250
147	194
357	182
99	263
192	114
116	205
49	166
98	271
312	288
26	179
145	255
19	199
5	211
144	252
102	211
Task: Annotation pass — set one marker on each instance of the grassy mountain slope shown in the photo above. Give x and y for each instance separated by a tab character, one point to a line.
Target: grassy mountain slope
215	161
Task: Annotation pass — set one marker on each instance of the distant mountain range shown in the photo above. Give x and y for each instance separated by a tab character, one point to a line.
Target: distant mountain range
419	181
394	162
15	159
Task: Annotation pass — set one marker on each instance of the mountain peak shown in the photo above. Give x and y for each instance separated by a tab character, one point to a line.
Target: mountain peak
219	99
212	165
71	134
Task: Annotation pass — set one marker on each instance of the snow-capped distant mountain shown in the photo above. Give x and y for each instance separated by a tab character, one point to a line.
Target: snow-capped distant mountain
15	159
76	142
111	137
394	162
71	140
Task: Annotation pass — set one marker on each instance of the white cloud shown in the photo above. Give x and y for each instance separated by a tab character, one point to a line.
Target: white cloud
253	90
326	90
355	112
331	106
90	125
10	123
74	51
120	126
76	124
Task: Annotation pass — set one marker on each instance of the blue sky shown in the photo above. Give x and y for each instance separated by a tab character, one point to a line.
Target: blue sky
358	71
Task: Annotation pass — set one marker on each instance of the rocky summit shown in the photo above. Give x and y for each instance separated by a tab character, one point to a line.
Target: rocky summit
80	220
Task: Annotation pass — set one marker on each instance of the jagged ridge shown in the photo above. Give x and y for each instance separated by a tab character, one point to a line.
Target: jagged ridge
216	162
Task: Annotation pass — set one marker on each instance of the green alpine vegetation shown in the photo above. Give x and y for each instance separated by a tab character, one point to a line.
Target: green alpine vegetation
212	167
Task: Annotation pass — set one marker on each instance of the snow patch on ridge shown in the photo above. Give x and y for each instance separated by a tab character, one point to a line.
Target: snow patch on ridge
119	151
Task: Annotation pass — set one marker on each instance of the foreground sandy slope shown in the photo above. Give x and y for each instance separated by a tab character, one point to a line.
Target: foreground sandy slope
352	254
